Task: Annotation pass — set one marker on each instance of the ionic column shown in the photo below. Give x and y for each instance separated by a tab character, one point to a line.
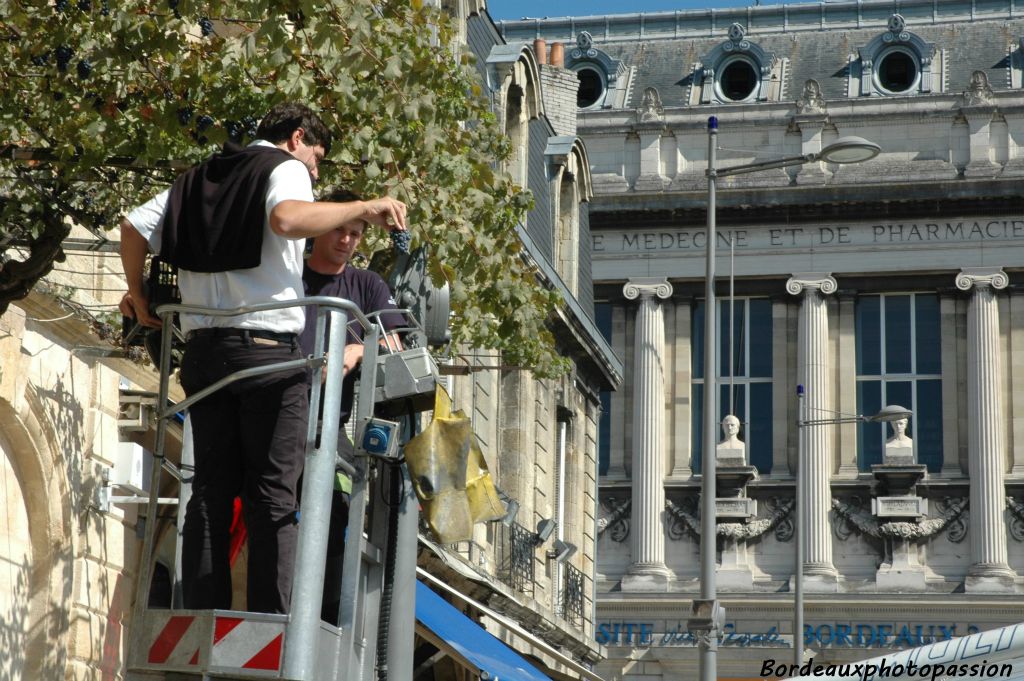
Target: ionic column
648	571
814	373
990	570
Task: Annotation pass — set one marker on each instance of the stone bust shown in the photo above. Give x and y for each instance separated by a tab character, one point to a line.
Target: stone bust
731	450
899	448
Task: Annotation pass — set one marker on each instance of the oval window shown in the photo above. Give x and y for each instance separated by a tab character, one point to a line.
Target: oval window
591	88
897	71
738	80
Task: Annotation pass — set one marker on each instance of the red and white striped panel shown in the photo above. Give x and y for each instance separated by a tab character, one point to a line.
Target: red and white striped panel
181	642
245	644
176	640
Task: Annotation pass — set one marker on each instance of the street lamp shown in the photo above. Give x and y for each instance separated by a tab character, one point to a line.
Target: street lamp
843	150
892	412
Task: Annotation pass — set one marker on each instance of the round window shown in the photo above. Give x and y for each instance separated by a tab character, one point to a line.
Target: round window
591	87
738	80
897	71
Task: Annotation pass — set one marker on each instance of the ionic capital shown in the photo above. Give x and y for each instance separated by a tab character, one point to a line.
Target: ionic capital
822	282
981	278
646	287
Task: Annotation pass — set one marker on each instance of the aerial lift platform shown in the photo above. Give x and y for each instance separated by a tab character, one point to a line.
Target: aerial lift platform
374	638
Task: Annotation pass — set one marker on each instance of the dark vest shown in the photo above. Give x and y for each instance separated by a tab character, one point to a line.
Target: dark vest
215	211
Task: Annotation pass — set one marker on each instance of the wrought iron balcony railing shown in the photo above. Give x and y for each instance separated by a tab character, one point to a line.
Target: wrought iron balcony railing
516	546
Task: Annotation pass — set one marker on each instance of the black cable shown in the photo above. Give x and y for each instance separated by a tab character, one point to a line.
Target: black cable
396	483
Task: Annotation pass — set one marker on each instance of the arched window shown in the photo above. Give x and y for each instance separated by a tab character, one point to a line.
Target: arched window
514	78
570	186
518	131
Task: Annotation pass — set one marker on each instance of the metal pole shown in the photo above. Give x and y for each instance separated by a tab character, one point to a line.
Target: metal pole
402	630
798	577
732	326
311	553
708	540
188	471
149	539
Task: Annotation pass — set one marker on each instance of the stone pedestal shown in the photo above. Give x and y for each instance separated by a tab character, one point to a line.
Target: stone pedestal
814	371
648	571
990	570
898	516
733	512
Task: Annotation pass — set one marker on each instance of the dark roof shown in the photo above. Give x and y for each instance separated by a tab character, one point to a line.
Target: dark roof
666	62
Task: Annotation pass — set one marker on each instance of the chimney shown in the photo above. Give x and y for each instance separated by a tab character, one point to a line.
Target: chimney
557	55
540	49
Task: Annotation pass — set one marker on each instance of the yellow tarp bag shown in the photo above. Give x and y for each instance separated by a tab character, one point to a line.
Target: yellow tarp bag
450	475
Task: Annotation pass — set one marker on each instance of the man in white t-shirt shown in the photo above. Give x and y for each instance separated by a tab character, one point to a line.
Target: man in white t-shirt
248	437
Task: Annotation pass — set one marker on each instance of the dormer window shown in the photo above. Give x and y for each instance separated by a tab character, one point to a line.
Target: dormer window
738	79
738	70
603	80
592	87
897	70
896	62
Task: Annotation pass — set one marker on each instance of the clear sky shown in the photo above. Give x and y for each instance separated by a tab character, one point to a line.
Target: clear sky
517	9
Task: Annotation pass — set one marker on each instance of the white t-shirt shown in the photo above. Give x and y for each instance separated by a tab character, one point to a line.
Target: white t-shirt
278	276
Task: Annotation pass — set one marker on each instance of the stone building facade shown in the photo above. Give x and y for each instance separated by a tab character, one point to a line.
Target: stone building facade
69	560
893	281
540	436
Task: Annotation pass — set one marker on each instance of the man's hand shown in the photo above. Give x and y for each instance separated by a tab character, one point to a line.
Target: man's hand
353	356
350	360
137	307
386	212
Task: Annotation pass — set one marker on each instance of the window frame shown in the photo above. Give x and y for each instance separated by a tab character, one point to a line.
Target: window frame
739	381
885	377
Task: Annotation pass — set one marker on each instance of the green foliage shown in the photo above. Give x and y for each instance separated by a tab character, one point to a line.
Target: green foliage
172	79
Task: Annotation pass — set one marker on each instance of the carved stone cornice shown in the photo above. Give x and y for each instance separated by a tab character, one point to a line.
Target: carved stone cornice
647	287
981	278
822	282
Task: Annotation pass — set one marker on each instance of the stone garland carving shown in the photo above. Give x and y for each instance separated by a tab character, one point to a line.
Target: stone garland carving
683	518
851	517
1017	524
616	521
864	523
685	521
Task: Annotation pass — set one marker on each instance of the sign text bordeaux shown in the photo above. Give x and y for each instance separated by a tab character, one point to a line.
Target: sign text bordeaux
837	634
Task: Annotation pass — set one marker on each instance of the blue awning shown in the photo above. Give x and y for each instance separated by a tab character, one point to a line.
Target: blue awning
470	641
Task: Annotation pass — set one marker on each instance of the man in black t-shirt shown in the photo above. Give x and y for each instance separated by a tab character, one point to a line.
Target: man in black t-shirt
327	273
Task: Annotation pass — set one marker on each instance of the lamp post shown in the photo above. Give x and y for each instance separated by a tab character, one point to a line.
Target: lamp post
706	612
888	413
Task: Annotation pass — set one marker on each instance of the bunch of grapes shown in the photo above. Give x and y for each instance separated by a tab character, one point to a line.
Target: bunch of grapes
84	68
400	241
64	54
205	26
235	130
173	5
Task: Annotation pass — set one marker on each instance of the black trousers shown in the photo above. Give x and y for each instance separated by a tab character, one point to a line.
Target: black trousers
249	441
